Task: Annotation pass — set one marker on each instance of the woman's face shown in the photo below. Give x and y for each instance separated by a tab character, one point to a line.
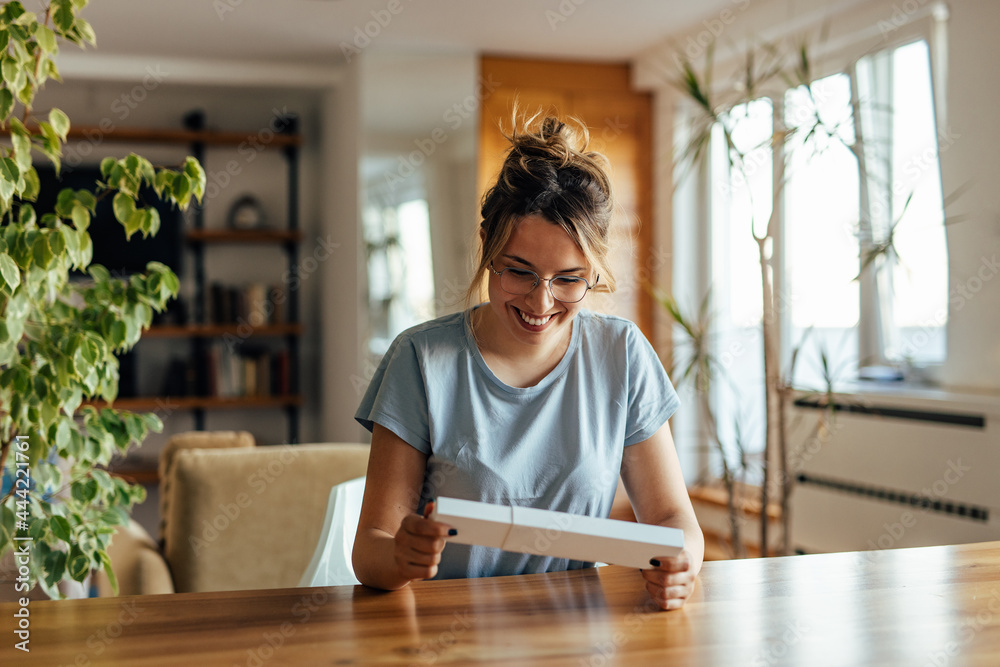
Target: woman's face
545	248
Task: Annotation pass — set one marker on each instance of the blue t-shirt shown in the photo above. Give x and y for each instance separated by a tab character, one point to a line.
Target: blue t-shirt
557	445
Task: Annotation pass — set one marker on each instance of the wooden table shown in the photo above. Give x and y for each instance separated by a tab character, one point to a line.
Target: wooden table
932	606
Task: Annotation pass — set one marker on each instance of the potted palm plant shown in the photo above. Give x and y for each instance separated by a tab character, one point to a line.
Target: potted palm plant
720	109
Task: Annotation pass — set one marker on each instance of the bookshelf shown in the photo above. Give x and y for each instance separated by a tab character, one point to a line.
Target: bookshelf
218	330
275	342
150	403
243	236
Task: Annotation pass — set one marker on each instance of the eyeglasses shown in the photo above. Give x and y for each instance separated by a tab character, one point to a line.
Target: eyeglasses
567	289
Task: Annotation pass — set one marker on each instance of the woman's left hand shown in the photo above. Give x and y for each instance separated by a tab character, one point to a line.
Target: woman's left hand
670	581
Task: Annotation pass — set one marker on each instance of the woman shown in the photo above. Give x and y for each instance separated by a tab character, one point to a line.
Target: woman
528	399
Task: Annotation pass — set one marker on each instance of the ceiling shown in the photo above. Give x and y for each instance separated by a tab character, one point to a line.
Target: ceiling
420	51
314	31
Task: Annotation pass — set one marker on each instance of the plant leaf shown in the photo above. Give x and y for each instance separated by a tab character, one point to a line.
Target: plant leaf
79	564
10	272
61	528
46	39
31	184
41	251
108	570
124	207
54	565
153	221
63	17
6	103
81	217
86	32
181	189
9	170
60	123
134	222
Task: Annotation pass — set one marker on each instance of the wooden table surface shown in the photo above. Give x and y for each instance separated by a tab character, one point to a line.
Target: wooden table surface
932	606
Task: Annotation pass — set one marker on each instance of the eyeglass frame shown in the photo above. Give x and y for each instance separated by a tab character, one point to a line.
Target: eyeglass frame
539	279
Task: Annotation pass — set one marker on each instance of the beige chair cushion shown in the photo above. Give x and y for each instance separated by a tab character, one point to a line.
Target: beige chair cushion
249	518
137	562
193	440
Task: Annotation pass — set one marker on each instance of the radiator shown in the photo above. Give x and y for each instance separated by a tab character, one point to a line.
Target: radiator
893	470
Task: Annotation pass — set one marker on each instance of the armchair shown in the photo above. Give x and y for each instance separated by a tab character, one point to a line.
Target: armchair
233	515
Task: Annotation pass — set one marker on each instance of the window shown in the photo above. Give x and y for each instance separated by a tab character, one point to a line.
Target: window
917	273
742	203
820	297
400	273
860	254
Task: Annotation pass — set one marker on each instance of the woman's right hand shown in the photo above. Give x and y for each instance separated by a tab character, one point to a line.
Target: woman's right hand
418	545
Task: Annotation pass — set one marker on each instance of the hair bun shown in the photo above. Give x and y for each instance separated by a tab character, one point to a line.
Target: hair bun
551	127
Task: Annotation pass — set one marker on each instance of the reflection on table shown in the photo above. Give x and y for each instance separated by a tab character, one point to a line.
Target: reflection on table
927	606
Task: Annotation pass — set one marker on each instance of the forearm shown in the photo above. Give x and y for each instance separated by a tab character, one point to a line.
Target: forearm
395	472
374	560
655	485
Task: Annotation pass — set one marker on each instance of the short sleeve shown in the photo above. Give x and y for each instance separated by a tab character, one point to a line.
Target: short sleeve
652	399
397	397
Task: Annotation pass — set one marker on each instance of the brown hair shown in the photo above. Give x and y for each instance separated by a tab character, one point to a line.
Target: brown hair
549	172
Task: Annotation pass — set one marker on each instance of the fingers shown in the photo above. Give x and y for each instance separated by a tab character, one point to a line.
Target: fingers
418	546
669	591
679	563
670	597
670	582
667	580
422	527
415	564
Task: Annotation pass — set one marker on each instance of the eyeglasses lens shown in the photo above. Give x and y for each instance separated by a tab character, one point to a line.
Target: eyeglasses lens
564	288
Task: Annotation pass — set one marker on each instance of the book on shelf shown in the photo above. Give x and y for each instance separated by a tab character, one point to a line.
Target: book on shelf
245	372
181	378
255	304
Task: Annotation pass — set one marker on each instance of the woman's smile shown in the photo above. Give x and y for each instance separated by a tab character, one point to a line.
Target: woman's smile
533	322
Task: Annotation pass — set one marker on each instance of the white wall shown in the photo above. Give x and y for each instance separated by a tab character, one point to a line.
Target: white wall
974	160
342	296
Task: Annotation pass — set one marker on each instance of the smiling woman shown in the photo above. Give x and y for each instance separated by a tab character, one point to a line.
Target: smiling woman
530	399
550	212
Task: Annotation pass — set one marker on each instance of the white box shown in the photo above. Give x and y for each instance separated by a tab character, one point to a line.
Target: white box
477	523
557	534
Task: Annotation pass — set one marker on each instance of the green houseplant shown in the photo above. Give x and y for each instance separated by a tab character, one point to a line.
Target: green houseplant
763	70
696	365
58	337
718	113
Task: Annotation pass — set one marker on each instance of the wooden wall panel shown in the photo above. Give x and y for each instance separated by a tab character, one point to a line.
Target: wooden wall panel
619	119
